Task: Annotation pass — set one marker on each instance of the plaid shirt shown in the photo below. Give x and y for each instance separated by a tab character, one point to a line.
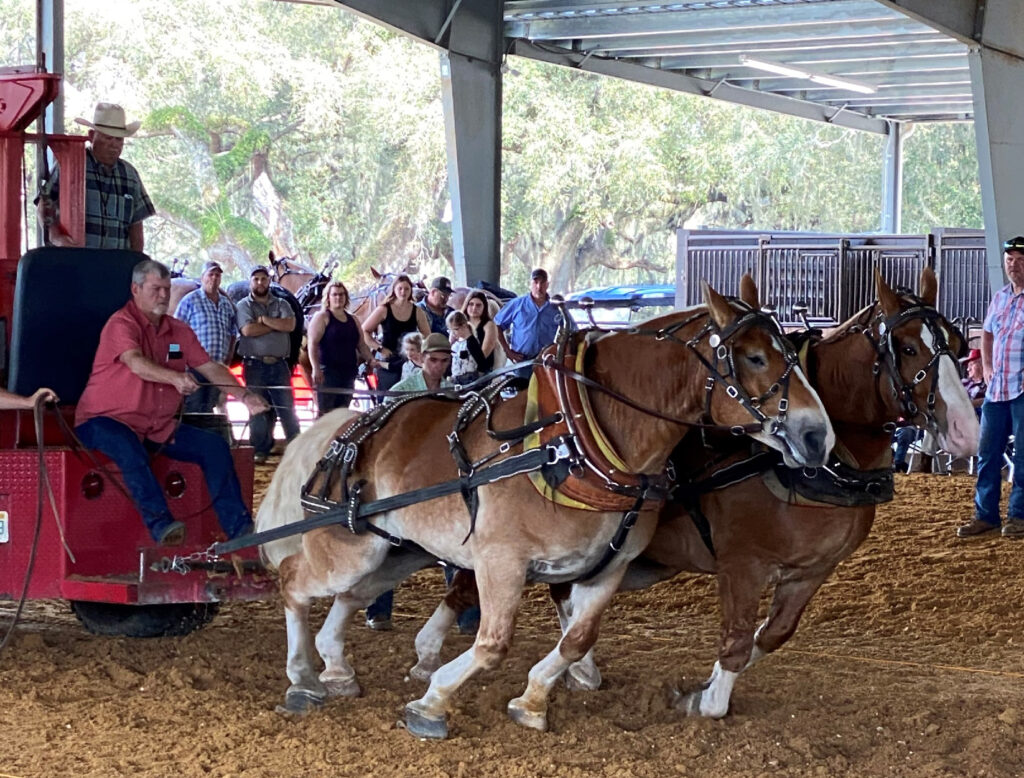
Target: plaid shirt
214	323
115	199
1005	321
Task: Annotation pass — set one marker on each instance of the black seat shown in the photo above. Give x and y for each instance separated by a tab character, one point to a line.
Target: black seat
62	299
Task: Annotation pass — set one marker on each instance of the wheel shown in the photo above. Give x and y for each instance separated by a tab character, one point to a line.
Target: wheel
144	621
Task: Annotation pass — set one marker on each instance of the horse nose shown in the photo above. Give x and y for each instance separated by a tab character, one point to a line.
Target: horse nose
814	445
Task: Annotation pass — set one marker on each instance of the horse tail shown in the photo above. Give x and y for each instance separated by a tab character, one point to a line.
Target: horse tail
280	505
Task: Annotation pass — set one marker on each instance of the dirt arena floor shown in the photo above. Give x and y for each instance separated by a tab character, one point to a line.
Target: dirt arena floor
908	663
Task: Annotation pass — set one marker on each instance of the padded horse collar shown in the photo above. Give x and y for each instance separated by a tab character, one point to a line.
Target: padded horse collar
596	478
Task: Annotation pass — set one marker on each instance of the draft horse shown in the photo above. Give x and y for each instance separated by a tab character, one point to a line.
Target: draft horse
631	394
896	358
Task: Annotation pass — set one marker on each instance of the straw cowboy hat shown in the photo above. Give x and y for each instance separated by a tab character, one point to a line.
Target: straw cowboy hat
109	119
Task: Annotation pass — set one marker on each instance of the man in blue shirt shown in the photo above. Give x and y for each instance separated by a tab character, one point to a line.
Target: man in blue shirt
211	315
531	321
435	304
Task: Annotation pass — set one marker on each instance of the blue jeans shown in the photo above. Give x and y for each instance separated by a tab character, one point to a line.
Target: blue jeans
999	420
381	607
190	444
203	399
469	619
259	375
904	437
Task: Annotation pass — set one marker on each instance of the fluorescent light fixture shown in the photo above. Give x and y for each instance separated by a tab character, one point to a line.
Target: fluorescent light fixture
792	72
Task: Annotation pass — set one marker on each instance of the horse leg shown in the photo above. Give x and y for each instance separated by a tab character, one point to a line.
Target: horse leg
461	595
788	603
306	692
500	592
338	676
739	589
582	675
587	603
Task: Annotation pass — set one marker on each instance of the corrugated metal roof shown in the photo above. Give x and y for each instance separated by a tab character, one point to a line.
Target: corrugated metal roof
898	69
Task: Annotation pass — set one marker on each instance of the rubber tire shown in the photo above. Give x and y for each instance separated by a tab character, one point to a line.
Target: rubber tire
144	621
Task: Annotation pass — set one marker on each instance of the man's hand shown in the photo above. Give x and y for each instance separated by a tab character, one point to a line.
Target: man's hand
255	403
317	376
514	356
43	395
184	383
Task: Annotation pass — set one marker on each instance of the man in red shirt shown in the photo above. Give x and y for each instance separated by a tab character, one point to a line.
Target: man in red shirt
129	407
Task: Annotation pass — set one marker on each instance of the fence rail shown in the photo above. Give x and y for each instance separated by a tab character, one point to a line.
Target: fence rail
834	274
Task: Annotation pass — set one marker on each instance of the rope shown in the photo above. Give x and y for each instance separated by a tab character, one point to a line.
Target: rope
37	414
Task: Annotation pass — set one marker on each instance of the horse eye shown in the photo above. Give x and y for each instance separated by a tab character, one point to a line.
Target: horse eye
909	351
757	360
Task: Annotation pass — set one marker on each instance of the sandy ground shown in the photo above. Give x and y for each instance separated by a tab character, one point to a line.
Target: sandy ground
908	663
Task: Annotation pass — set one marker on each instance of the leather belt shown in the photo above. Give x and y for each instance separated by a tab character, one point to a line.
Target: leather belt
263	360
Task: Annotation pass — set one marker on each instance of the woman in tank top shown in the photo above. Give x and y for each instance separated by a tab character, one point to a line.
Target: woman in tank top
336	349
385	327
483	339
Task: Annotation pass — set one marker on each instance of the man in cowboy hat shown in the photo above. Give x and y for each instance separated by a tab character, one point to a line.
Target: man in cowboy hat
116	202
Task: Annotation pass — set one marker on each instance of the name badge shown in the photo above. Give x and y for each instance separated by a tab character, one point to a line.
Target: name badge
174	351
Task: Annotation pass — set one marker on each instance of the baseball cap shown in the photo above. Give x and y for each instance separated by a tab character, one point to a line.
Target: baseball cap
443	284
435	341
1014	244
258	269
540	273
211	265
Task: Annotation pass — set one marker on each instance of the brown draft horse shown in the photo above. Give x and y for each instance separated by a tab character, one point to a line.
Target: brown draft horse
761	538
519	534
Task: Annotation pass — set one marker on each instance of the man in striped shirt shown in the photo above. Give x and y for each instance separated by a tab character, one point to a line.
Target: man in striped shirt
1002	413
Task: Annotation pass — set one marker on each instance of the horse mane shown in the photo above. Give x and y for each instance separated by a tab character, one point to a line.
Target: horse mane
852	326
282	505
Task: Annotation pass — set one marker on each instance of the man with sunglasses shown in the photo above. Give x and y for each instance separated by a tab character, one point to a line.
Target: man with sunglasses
1002	413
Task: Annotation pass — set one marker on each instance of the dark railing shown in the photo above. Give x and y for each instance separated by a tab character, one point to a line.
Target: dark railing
833	275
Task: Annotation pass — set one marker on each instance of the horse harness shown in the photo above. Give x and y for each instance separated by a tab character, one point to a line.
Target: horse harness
888	357
838	483
568	452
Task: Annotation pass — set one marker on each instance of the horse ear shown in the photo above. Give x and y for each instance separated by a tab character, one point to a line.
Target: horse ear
271	256
886	297
748	291
376	273
929	286
718	307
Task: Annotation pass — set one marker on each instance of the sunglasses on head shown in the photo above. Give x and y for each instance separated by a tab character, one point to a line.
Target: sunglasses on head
1014	244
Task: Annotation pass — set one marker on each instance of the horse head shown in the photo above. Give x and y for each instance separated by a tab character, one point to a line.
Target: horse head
917	350
757	381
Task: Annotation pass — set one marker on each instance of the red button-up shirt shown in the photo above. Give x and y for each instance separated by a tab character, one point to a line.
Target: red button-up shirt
114	390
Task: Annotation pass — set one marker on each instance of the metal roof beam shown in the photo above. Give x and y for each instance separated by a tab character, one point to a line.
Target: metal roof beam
950	17
696	86
795	17
871	47
706	40
824	60
958	82
901	67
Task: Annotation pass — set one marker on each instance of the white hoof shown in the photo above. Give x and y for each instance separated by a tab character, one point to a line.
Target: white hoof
528	718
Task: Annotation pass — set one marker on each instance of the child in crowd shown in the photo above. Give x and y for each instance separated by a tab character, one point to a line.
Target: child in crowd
464	366
412	350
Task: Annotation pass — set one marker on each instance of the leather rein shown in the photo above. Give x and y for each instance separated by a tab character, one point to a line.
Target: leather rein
558	452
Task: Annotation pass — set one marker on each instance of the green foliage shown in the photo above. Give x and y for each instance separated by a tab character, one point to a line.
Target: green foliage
308	130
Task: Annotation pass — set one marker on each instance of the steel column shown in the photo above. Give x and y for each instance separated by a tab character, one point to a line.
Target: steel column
471	96
892	181
998	118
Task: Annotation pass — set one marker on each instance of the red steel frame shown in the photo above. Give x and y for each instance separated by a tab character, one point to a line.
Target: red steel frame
109	556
